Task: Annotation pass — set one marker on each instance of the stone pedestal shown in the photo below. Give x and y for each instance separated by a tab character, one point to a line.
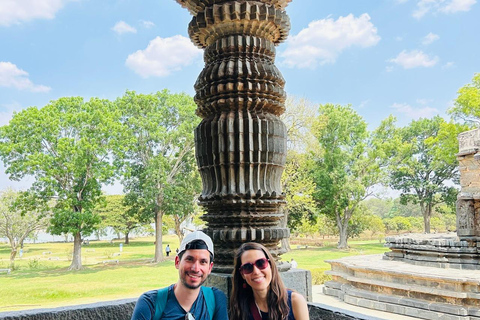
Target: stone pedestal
297	279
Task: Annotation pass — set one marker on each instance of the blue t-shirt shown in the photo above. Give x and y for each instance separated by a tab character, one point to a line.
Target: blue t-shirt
145	307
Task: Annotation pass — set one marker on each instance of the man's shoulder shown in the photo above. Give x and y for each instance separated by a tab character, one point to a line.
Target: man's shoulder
216	291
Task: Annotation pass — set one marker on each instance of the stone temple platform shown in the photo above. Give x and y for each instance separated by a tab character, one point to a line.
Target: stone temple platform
435	250
405	288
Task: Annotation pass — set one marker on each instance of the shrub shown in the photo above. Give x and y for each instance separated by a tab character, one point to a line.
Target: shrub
319	276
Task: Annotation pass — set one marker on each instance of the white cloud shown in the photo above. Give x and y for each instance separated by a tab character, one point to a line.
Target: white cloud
122	27
17	11
414	113
457	6
147	24
13	77
163	56
430	38
414	59
324	40
443	6
448	65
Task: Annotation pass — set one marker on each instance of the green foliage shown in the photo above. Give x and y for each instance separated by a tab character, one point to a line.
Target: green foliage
398	224
17	224
379	207
319	276
66	147
298	186
160	176
115	214
348	166
467	103
422	160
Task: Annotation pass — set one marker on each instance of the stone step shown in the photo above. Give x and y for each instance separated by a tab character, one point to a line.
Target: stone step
406	289
373	267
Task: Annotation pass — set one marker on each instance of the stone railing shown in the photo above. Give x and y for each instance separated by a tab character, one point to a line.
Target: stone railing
122	310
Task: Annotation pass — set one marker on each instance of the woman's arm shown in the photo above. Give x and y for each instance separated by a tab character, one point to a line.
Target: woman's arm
299	306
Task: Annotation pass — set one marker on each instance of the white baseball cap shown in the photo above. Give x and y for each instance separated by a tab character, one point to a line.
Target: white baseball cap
196	235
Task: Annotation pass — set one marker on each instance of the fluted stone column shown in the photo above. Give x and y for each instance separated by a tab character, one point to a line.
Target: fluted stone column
241	141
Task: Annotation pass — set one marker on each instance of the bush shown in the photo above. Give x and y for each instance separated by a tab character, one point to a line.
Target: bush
319	276
34	263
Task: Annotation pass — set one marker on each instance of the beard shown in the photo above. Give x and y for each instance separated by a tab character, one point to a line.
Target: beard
189	286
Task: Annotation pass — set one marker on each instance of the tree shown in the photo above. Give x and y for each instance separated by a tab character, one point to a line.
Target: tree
423	160
296	180
16	225
159	158
66	147
349	166
116	215
467	104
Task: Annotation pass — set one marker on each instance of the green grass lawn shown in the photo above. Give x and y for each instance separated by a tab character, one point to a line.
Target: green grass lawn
41	278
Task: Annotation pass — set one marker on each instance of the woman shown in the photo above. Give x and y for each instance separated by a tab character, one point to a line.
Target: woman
258	292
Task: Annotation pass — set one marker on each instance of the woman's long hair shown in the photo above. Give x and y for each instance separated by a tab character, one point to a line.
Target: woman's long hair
240	297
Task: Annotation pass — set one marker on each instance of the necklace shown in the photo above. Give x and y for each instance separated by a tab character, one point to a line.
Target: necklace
259	311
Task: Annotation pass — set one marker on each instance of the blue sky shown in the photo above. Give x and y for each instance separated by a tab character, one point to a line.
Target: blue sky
407	58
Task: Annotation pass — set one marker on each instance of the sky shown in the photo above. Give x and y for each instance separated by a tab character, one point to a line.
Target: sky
406	58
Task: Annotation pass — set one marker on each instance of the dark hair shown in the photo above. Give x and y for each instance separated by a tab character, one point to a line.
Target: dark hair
195	244
240	297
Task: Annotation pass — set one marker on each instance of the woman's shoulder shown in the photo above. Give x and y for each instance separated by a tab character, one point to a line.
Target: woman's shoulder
299	306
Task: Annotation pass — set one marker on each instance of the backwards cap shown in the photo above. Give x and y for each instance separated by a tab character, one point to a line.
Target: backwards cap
196	235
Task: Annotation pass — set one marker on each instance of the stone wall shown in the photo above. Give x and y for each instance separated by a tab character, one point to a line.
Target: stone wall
122	310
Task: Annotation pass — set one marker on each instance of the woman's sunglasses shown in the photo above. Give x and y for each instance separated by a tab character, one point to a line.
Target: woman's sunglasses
247	268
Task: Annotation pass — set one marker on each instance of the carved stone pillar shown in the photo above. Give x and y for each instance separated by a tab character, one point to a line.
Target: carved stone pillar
240	142
468	201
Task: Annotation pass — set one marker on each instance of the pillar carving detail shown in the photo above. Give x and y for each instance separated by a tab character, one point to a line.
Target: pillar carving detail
240	143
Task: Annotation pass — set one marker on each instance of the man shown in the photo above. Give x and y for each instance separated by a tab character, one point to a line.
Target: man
167	250
186	299
294	264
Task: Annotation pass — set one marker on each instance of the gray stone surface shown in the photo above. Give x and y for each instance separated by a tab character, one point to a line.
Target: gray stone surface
404	288
110	310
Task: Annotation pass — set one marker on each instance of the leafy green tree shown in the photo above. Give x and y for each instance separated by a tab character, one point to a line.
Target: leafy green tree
298	186
159	159
423	161
115	214
15	224
66	146
349	166
467	104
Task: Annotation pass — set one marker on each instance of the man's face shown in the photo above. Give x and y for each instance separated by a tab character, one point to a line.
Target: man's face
194	267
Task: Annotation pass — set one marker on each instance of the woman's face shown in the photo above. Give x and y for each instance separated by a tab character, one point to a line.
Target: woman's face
259	280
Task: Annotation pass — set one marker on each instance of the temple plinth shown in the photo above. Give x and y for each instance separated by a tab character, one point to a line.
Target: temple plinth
240	143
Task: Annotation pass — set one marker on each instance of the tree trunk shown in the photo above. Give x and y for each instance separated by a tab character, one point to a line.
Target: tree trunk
178	230
158	237
426	221
13	254
427	214
127	240
77	252
343	237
